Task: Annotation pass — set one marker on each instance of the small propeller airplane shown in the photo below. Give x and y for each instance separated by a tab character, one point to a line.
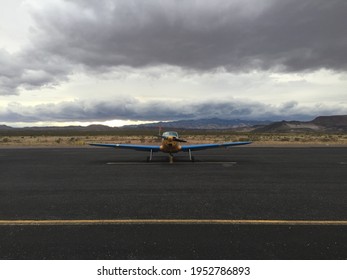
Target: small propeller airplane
171	145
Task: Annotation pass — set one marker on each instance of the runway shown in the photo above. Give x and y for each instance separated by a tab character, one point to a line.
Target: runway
237	203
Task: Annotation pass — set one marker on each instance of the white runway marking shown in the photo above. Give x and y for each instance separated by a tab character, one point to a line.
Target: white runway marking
224	163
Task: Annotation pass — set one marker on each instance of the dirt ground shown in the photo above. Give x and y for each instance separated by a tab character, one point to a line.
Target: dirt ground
257	139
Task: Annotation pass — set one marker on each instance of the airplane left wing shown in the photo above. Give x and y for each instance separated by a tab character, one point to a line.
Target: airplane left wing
211	146
129	146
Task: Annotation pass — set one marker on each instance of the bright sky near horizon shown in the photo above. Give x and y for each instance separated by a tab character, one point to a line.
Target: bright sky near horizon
123	61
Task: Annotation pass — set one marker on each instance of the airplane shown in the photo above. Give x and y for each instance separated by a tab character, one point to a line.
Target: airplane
171	145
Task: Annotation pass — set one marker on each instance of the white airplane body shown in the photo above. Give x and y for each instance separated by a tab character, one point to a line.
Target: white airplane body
171	144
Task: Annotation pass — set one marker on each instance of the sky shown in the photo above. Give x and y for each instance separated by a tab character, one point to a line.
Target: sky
119	62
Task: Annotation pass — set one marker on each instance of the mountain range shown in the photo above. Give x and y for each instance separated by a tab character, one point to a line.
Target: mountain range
213	123
320	124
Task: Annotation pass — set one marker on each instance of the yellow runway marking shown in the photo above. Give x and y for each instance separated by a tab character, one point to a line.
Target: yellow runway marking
171	221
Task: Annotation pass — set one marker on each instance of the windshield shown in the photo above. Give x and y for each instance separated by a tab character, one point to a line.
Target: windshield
171	133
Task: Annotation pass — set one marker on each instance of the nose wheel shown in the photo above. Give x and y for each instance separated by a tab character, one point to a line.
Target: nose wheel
171	158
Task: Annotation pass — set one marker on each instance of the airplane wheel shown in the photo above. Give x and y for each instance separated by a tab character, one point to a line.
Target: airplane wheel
148	159
193	159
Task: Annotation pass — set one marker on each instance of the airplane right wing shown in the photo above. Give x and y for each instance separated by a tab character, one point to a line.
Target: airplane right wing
211	146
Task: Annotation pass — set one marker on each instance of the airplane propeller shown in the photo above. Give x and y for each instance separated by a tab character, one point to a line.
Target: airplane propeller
173	138
178	139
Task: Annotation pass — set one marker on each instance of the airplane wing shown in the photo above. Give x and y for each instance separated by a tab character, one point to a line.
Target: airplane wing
128	146
211	146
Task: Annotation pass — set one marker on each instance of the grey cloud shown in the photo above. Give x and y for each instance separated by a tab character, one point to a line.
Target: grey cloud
133	109
236	35
291	35
31	69
9	71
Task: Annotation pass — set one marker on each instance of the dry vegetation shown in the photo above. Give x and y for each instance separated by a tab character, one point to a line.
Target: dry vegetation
258	139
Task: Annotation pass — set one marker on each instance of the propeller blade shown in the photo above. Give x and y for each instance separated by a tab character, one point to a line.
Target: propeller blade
179	140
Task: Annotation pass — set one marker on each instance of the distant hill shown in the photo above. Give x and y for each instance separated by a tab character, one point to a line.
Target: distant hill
337	122
61	128
319	124
213	123
5	127
58	130
205	124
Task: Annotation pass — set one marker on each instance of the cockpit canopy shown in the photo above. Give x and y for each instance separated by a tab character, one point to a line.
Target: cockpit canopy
170	133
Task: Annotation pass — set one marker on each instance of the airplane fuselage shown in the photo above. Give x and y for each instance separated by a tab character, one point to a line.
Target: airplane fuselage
169	143
170	146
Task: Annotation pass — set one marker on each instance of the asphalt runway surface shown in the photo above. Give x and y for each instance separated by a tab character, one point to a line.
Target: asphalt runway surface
238	203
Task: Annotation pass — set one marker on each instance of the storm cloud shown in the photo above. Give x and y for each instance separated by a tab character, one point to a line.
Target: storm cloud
134	109
31	69
290	35
238	36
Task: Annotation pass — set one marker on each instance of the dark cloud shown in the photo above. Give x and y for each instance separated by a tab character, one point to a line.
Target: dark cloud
237	35
291	35
10	69
31	69
133	109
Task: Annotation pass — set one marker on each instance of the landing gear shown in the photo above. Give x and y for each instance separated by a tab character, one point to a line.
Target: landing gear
150	156
171	157
191	158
